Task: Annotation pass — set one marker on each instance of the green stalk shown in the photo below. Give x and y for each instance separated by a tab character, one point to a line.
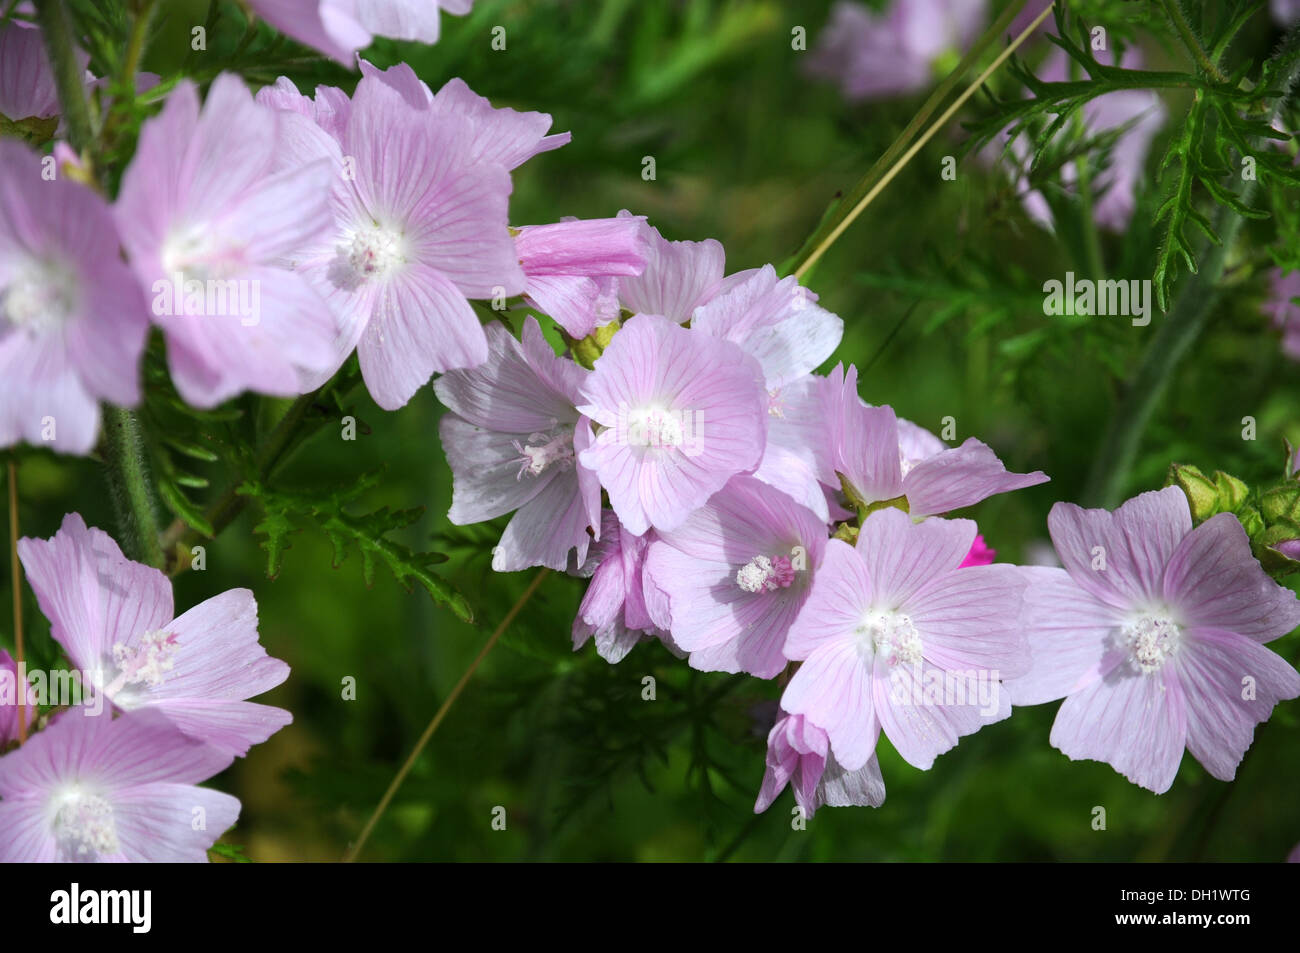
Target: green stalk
853	203
56	28
131	489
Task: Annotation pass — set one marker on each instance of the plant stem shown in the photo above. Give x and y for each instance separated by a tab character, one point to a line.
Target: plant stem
1176	16
131	488
1108	477
355	849
17	579
68	75
270	455
892	169
135	45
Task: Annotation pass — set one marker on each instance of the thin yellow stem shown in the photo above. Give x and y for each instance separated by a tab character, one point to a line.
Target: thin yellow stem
355	849
17	579
916	147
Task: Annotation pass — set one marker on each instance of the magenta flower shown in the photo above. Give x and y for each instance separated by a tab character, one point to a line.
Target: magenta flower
9	695
896	638
799	754
682	412
678	277
419	228
736	574
613	609
1285	312
514	439
980	554
114	619
1154	634
210	217
877	55
573	268
882	460
100	789
72	319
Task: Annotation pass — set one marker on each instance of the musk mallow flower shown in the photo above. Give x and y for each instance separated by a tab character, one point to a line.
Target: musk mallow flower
339	28
1154	635
678	276
27	88
877	55
897	636
419	227
681	413
10	692
613	610
736	574
573	268
514	442
1284	290
103	789
115	620
799	754
1285	12
880	460
210	219
72	318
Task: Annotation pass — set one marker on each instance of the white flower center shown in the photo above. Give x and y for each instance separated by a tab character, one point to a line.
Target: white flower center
199	254
891	636
83	824
543	451
764	574
656	427
374	251
41	297
1151	640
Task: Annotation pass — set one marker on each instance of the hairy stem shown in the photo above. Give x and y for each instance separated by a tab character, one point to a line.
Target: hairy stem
135	45
360	842
16	577
898	154
69	78
131	487
1176	16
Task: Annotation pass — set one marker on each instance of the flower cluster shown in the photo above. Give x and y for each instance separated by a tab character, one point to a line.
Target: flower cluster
161	706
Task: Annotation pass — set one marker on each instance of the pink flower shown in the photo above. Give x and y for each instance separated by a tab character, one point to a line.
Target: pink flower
799	754
678	277
682	413
878	457
513	440
100	789
72	319
339	28
980	554
1154	633
210	216
114	619
26	80
613	609
573	268
896	638
877	55
420	224
1285	12
9	695
1282	307
736	573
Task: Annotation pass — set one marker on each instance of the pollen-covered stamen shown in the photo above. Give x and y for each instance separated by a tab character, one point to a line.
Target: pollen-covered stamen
891	636
765	574
1151	640
375	251
83	824
543	451
655	427
147	663
39	298
775	405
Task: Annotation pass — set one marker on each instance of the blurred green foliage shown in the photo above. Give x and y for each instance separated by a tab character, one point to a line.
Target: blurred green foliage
939	285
